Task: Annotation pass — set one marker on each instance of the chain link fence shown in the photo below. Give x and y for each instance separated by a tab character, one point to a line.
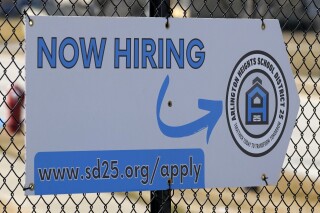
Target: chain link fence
298	188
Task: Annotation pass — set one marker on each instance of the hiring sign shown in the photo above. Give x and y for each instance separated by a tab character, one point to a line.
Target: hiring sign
125	104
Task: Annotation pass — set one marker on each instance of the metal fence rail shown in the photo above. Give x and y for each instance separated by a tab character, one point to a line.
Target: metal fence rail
298	189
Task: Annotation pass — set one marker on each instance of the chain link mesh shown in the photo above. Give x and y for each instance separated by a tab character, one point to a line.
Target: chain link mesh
298	188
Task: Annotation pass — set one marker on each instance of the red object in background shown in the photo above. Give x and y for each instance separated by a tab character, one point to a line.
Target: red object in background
15	100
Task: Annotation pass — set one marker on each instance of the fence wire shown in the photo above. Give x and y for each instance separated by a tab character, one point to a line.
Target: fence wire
298	188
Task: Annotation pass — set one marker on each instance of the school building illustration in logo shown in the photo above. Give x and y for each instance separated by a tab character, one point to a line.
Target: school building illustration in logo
257	104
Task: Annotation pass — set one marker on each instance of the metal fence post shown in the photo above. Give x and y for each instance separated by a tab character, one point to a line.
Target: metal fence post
159	8
160	200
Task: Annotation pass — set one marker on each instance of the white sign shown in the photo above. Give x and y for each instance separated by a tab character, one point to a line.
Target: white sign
123	104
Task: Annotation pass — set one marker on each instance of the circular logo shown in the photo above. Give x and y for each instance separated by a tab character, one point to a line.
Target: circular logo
257	103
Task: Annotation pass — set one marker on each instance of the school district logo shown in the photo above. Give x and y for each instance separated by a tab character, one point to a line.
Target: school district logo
257	103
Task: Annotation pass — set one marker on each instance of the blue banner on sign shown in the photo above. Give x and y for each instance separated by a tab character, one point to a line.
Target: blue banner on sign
115	171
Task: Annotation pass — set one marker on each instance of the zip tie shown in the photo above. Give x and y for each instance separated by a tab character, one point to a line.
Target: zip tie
169	183
264	178
30	20
30	187
263	25
167	23
169	189
167	17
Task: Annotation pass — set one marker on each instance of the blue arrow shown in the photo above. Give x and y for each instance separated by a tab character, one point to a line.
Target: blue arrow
207	121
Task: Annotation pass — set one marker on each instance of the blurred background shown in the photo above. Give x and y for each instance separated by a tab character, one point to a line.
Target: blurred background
292	14
298	189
